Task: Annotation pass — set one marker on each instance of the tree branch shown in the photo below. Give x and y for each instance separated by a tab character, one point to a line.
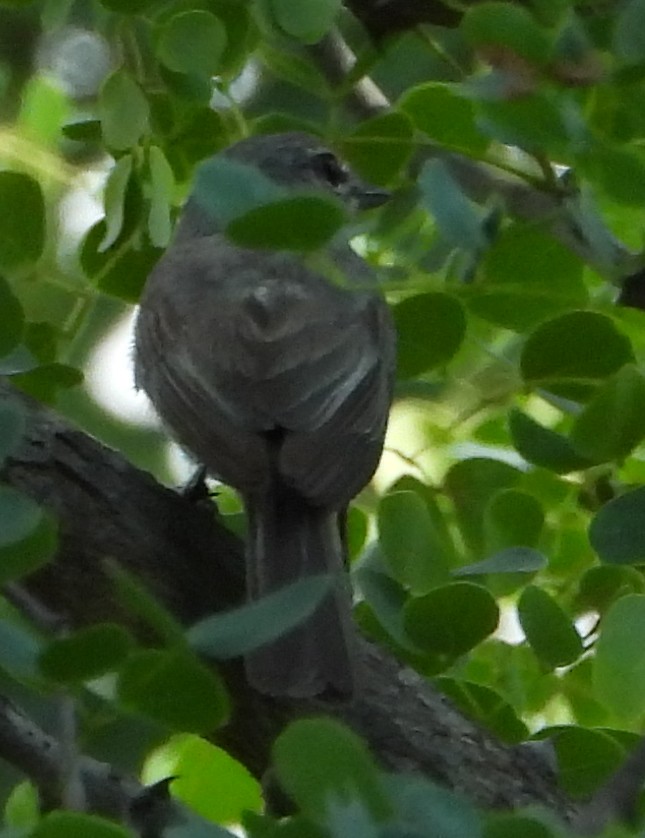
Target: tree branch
194	565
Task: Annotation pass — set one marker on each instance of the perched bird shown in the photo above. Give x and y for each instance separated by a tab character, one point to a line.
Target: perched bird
279	380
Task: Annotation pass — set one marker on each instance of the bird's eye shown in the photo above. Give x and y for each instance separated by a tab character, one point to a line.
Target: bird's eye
329	167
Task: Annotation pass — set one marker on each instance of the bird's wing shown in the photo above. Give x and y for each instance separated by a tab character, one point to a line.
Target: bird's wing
259	342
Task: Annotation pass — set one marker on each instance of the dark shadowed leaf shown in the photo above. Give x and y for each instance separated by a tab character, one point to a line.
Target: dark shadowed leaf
617	533
86	653
512	518
427	809
380	147
507	25
307	20
586	758
458	219
22	221
548	629
77	825
12	426
543	446
438	110
431	328
572	353
471	484
175	688
451	620
320	759
237	632
12	318
192	42
613	422
410	543
304	222
44	382
486	706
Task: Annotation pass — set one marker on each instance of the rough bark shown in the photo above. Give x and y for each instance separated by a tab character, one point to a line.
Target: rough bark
109	509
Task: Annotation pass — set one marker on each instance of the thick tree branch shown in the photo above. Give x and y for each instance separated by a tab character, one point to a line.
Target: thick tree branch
108	509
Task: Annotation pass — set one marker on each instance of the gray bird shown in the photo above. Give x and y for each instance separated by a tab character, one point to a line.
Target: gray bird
279	380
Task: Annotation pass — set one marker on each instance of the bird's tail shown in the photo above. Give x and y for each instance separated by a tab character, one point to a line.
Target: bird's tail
289	540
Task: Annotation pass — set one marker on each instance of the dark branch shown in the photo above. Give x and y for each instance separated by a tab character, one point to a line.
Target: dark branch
193	564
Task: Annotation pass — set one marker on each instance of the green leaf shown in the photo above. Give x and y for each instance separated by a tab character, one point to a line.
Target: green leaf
617	533
174	688
209	781
586	759
121	271
76	825
628	41
507	25
37	545
543	446
114	200
356	531
460	222
512	519
411	545
386	599
486	706
162	183
509	560
123	110
613	422
12	426
574	352
619	172
320	760
601	586
296	70
534	122
86	654
304	222
44	382
237	632
424	808
143	605
431	328
510	825
306	20
19	652
44	109
20	516
550	632
192	42
518	293
227	189
438	109
22	223
22	809
451	620
618	671
12	318
471	484
380	147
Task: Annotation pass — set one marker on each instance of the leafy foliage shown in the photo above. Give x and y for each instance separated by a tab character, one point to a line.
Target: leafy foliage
519	492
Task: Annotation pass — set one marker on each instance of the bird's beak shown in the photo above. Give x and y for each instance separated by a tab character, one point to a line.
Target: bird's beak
370	197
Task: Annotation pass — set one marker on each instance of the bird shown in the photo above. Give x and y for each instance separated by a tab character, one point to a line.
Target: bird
278	379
